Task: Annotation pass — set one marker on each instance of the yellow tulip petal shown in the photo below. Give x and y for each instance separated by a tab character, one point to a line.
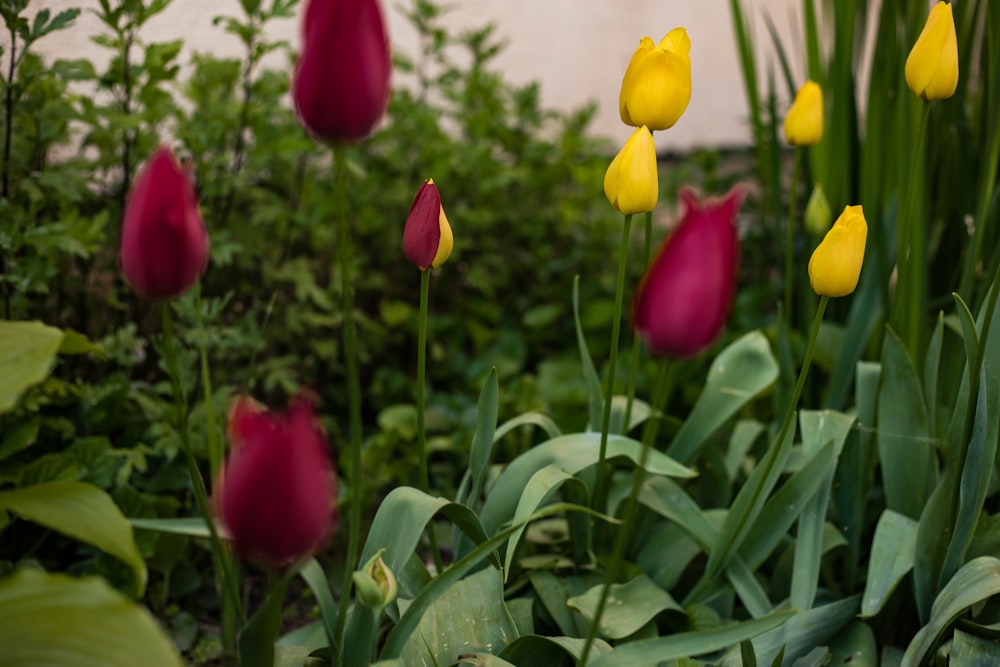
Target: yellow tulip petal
804	123
932	66
446	243
835	265
656	88
631	182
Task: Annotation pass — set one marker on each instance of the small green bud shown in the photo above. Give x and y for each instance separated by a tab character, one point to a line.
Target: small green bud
818	213
376	584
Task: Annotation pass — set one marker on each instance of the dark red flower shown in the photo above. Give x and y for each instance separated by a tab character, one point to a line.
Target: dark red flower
683	301
277	494
164	245
427	236
341	80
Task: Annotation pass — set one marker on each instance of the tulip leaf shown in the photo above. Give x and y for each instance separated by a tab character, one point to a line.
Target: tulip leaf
595	395
81	511
855	646
972	651
484	440
977	580
540	651
891	559
399	523
905	448
799	635
27	353
633	604
256	640
314	576
738	375
652	652
538	419
572	453
54	619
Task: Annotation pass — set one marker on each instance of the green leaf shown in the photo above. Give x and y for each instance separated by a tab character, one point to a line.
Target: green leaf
81	511
27	353
904	442
538	419
314	576
595	395
189	526
53	619
539	651
74	342
470	616
977	580
483	442
971	651
256	640
741	372
855	646
891	558
652	652
630	606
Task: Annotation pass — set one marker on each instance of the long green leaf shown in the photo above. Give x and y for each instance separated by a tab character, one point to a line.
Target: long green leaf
891	559
314	576
595	395
484	440
633	604
81	511
539	651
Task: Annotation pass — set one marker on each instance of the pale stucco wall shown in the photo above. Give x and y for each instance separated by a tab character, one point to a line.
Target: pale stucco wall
576	49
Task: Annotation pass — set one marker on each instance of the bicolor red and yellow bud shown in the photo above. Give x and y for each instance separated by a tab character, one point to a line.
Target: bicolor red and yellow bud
427	236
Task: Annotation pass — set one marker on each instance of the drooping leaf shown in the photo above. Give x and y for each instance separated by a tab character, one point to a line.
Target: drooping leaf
891	559
629	606
27	353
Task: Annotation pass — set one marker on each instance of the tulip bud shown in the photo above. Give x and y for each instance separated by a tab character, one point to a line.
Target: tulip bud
818	213
164	246
835	265
932	66
341	81
375	583
427	236
277	495
683	301
804	122
631	183
656	87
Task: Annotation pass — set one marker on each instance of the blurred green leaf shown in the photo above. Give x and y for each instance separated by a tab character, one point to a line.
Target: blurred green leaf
27	353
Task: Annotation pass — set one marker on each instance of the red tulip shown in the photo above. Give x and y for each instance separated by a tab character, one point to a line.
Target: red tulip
341	80
164	245
277	494
683	300
427	236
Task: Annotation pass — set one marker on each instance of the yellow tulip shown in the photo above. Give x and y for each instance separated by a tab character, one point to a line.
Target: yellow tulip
835	265
932	66
631	183
804	122
656	87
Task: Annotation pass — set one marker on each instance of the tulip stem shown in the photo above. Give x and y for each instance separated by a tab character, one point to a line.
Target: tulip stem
636	342
600	489
214	449
345	252
793	200
664	382
222	561
425	481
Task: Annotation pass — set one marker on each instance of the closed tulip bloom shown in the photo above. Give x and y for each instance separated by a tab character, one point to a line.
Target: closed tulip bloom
683	301
656	87
277	499
804	122
427	236
164	245
932	66
341	81
835	265
818	214
631	183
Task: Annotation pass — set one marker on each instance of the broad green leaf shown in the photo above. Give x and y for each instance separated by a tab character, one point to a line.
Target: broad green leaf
800	635
891	559
400	521
27	353
741	372
538	419
818	428
855	646
54	619
652	652
629	606
81	511
904	442
481	452
977	580
554	590
595	395
542	486
314	576
74	342
469	617
572	453
257	637
745	434
484	660
539	651
971	651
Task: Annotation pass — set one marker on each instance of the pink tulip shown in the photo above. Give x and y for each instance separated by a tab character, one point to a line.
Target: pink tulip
277	494
164	245
683	301
341	81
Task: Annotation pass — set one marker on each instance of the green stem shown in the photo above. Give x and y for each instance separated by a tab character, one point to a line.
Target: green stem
425	482
214	446
910	302
621	539
222	561
600	488
636	342
790	236
345	252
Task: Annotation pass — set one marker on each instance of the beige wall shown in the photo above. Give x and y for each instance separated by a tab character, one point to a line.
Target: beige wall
577	49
